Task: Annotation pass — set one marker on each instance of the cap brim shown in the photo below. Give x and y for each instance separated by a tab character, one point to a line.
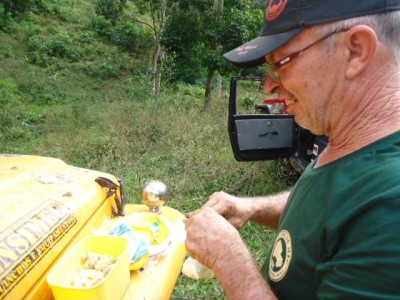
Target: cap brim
252	53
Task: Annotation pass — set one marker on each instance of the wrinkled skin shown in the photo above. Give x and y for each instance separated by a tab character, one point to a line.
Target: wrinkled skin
208	243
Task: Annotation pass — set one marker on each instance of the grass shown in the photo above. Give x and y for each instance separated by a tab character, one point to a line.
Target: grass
180	145
92	109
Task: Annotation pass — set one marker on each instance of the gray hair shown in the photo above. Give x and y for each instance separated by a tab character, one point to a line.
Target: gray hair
385	25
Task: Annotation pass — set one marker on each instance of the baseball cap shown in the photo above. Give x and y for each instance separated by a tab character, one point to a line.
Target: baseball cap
284	19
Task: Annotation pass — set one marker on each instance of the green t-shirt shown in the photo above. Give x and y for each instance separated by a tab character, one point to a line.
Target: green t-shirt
339	235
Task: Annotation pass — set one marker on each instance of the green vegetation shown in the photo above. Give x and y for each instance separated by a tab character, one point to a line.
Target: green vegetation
77	87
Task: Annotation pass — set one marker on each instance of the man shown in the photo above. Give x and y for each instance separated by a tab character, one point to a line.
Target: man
338	230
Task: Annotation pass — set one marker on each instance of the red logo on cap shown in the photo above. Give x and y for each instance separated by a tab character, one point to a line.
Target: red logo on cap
274	10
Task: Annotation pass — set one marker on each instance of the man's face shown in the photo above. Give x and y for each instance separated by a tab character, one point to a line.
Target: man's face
307	83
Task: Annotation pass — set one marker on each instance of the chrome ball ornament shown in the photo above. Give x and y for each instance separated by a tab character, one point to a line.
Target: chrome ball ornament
154	195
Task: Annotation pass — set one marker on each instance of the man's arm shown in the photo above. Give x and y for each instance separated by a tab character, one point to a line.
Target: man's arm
240	277
264	210
267	210
217	244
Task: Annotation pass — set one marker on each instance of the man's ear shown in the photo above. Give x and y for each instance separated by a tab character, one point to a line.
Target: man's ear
361	42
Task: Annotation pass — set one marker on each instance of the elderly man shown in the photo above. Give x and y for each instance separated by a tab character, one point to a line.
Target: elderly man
338	230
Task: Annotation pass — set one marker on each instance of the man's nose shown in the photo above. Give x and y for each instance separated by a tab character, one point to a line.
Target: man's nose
271	86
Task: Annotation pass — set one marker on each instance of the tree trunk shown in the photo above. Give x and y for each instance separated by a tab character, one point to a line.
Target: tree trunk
219	85
209	88
159	19
158	60
155	70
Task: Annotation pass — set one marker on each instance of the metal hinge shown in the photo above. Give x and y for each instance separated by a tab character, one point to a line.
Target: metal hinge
116	191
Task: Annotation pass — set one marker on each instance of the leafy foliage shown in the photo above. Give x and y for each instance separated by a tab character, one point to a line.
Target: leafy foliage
13	8
110	23
103	26
4	17
18	6
198	33
58	45
110	9
131	37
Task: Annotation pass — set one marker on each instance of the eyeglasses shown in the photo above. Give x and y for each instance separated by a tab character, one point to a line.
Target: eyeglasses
272	67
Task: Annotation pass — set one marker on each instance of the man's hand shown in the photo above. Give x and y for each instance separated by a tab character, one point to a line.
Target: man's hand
234	209
210	237
215	243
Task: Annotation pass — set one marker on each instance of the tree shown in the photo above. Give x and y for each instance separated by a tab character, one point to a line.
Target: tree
200	31
159	10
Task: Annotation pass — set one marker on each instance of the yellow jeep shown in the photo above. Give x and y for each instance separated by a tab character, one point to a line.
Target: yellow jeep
48	207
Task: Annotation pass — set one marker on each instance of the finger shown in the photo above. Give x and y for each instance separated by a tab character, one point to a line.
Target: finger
215	198
192	213
221	208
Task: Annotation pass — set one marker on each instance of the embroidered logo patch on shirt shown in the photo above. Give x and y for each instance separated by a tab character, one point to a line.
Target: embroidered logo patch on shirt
280	256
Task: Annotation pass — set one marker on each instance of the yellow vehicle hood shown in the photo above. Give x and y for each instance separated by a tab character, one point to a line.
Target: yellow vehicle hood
48	206
44	203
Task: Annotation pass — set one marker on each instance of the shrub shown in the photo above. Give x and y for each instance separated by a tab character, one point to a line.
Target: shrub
57	46
102	26
111	9
4	17
126	35
248	102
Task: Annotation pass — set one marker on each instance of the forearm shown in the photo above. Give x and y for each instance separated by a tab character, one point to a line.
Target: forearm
240	276
267	210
